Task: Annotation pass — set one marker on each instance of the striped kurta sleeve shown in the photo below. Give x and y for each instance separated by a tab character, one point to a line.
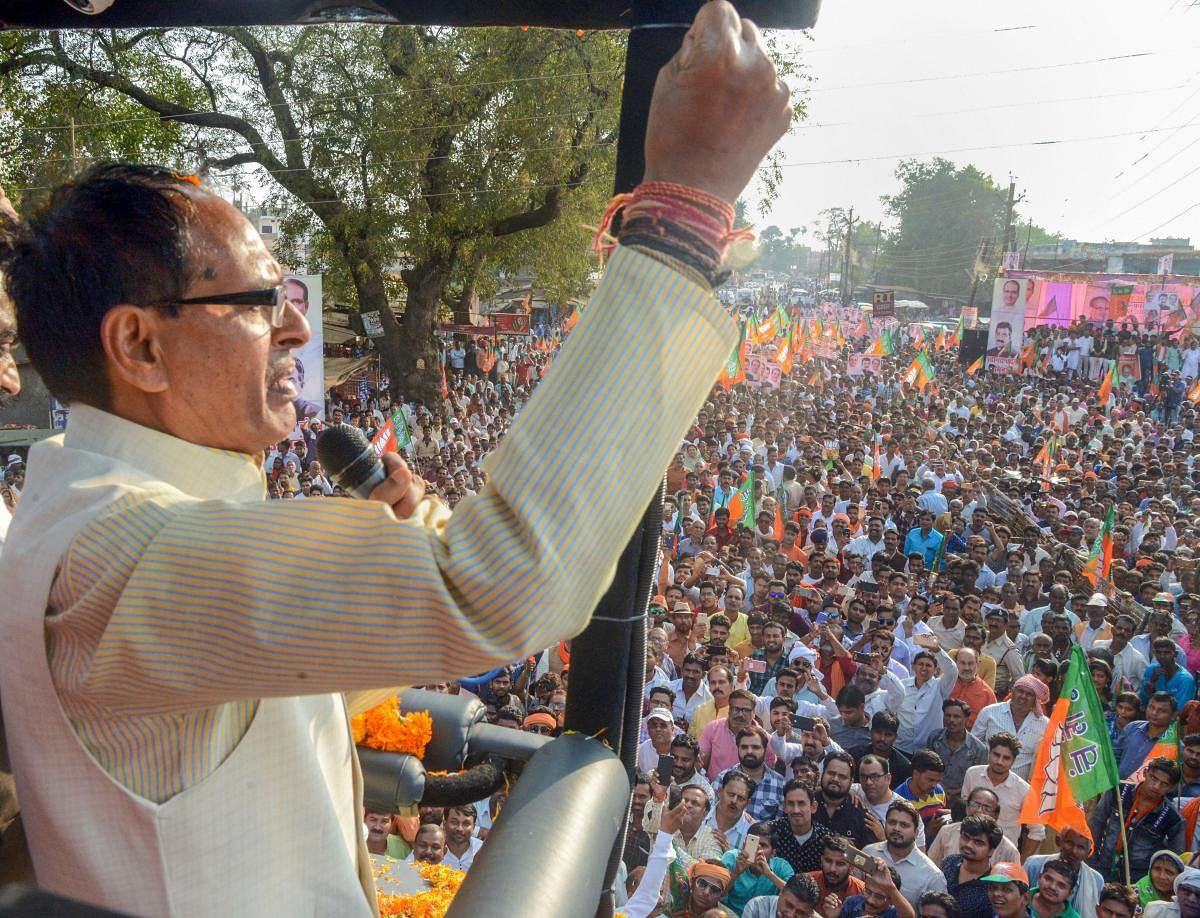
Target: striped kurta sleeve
170	603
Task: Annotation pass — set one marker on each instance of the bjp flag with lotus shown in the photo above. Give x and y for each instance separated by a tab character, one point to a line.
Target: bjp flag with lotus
1075	760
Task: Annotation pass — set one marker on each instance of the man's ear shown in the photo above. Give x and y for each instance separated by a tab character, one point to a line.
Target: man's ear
130	337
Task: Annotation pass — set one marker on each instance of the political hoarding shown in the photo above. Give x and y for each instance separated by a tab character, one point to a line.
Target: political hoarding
1128	301
860	364
883	303
1007	324
304	291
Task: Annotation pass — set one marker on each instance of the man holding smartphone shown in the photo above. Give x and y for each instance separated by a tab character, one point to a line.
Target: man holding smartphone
934	677
755	870
769	660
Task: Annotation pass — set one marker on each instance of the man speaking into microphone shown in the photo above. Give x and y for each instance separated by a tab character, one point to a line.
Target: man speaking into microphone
173	673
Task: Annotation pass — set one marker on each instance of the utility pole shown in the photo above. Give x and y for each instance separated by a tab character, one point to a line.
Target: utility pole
875	257
1009	237
982	267
845	287
1010	231
828	258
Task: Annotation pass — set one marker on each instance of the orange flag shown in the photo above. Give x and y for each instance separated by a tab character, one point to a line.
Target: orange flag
783	356
777	532
1106	386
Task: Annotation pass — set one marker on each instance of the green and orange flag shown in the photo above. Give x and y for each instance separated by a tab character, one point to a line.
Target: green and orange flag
975	367
1118	301
741	505
1075	760
1100	557
734	370
956	338
920	372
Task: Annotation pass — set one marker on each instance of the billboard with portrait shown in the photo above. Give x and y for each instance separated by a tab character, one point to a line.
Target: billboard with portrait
1007	324
305	293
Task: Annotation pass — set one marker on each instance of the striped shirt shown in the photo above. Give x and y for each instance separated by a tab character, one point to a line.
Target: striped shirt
177	608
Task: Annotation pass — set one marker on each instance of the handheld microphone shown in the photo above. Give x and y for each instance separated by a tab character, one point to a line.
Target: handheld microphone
350	460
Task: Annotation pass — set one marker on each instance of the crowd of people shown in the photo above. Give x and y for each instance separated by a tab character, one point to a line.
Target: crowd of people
845	691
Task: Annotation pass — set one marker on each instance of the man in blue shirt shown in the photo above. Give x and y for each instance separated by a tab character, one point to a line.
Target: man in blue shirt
924	539
1137	739
1166	675
931	499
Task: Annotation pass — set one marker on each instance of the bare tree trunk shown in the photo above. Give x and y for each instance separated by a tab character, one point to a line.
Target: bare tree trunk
462	305
414	353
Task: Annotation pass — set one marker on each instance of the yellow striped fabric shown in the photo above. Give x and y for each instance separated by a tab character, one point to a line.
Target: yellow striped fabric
176	609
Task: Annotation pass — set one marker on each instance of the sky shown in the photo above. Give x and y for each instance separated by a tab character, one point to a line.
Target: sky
1117	83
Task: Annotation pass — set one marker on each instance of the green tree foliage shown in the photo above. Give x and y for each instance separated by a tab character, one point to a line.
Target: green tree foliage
1029	233
939	216
780	250
408	164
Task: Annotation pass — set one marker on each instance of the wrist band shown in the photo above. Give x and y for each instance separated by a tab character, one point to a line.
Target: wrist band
678	221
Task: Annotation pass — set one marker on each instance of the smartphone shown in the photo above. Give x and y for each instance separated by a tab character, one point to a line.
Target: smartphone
861	861
865	586
666	765
750	847
802	723
674	795
860	657
756	666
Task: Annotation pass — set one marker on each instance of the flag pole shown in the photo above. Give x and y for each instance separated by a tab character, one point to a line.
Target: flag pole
1124	837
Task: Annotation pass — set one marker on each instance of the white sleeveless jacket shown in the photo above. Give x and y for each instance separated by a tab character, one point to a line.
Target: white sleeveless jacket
206	851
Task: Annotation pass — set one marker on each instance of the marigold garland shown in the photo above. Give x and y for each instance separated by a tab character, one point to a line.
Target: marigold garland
432	903
384	727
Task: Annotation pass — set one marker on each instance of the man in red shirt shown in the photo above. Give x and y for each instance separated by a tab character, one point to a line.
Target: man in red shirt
834	882
721	530
970	687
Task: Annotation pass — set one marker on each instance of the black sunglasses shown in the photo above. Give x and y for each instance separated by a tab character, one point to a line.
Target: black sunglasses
275	297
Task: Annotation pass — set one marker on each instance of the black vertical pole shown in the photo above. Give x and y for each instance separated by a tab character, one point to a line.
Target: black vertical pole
608	658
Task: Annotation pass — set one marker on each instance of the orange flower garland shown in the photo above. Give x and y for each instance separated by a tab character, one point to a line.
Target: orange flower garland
433	903
384	727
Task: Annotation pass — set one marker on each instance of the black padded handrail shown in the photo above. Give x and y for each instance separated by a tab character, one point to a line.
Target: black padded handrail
569	805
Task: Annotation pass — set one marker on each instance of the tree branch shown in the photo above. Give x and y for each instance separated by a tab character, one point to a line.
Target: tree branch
293	147
549	210
164	108
322	199
228	162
